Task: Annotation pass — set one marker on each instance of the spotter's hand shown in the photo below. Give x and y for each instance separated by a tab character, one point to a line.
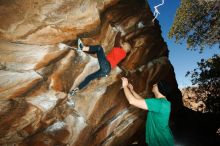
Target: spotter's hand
124	82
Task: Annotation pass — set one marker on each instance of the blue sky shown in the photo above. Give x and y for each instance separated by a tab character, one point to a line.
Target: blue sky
182	59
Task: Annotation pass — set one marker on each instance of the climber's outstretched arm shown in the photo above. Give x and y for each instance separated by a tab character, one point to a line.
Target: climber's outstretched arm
133	92
138	102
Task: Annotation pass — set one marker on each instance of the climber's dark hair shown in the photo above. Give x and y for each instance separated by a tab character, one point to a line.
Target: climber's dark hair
164	87
117	40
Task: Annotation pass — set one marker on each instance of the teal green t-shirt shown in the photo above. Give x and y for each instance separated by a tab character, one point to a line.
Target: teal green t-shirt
158	132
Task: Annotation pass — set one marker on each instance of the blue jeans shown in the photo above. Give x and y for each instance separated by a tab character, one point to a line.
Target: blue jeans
104	64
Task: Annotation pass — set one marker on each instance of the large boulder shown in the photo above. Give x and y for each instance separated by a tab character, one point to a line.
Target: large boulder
36	75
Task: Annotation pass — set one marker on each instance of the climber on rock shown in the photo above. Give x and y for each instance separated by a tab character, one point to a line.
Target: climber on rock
106	62
158	132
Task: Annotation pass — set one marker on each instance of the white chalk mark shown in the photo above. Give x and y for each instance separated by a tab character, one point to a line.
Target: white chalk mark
63	46
56	126
140	25
156	12
70	102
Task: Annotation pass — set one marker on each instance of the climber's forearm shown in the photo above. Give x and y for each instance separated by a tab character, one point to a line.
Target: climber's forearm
129	95
138	102
136	95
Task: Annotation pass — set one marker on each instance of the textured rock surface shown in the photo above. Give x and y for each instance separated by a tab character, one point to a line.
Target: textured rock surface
36	75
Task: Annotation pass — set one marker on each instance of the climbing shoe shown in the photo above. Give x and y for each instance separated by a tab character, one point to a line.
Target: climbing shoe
80	44
74	91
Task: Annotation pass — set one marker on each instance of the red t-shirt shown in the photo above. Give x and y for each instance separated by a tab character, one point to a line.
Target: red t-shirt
115	56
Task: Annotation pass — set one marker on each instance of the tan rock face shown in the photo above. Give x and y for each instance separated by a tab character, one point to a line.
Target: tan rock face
36	75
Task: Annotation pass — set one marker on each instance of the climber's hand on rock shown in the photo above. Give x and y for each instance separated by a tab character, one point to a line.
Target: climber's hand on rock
124	82
125	45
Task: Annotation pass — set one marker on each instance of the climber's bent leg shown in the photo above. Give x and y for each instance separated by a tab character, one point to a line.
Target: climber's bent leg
95	49
86	81
104	70
89	78
103	62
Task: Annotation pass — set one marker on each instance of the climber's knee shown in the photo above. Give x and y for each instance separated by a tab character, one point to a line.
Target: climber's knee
95	48
99	48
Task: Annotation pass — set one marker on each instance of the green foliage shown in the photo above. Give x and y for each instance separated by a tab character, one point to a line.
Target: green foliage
197	22
207	77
